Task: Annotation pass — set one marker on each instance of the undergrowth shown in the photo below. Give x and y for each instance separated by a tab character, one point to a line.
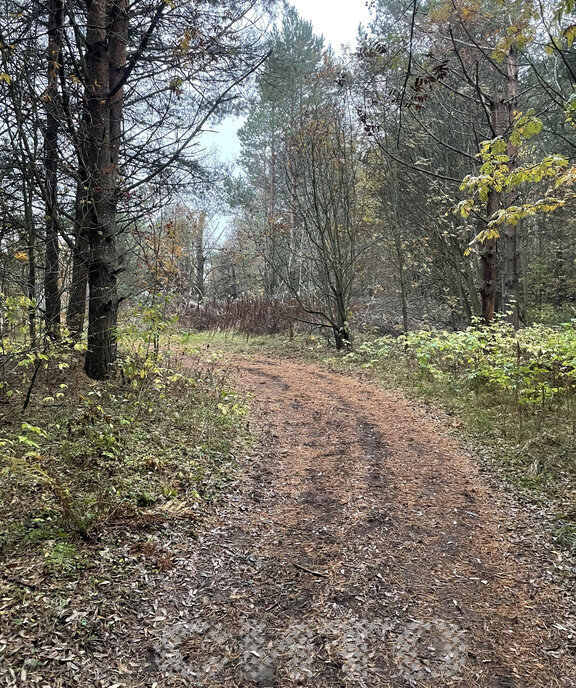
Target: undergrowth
95	478
156	439
514	389
77	454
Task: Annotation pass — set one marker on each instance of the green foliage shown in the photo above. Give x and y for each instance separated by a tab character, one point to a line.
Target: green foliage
570	109
64	558
533	368
526	127
147	326
23	359
566	535
497	176
161	438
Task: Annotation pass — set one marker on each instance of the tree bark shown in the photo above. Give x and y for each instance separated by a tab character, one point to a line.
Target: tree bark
402	277
489	248
400	252
510	282
489	262
52	294
31	245
76	312
200	259
106	37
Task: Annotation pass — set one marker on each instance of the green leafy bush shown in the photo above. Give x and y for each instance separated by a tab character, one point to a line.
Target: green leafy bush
532	368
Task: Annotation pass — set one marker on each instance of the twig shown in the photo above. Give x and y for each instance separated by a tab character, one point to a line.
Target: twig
273	606
313	573
31	387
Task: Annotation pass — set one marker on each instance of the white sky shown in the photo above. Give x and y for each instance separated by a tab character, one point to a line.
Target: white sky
336	20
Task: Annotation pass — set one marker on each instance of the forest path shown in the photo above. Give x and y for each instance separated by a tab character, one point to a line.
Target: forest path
362	549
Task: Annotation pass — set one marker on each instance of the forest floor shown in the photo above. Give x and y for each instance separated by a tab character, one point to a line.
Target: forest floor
361	547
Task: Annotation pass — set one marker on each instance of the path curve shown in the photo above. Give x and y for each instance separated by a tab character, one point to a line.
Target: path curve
361	549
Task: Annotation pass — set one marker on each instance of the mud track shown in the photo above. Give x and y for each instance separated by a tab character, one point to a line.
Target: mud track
361	549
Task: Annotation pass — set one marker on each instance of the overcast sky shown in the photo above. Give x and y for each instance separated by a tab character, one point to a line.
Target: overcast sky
336	20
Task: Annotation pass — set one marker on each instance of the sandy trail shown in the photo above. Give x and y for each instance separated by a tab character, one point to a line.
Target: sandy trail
361	549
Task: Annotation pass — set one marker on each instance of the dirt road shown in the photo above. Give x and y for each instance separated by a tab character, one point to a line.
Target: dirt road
362	549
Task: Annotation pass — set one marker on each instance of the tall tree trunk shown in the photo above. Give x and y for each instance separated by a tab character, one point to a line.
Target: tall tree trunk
52	271
502	114
510	283
271	238
489	263
489	248
402	276
31	245
106	37
199	255
80	263
400	252
560	291
233	284
341	329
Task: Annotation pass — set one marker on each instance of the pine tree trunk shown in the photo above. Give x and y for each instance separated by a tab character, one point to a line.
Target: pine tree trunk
80	262
52	258
106	37
489	248
510	283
